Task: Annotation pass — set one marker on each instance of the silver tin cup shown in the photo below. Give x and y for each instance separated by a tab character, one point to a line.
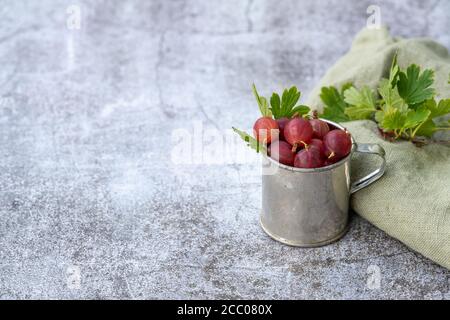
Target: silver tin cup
309	207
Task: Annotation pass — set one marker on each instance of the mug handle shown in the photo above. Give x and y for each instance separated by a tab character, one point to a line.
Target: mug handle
371	148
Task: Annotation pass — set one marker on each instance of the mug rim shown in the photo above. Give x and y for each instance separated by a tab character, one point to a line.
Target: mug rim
320	169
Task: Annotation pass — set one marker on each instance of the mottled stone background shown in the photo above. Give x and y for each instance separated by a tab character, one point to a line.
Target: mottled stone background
92	204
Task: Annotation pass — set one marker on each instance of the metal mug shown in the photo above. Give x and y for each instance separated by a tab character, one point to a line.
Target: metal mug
309	207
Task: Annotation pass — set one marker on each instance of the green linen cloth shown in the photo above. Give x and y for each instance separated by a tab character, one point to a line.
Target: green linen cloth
411	202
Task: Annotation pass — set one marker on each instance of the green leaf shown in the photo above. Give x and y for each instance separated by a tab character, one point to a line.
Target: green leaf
414	87
264	108
441	109
275	104
379	116
300	110
363	97
362	103
394	72
262	103
427	129
289	99
332	98
346	86
390	96
416	117
334	104
391	103
393	120
359	112
251	142
285	107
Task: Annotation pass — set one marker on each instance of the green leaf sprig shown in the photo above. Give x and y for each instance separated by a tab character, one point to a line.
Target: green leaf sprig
262	103
335	104
407	108
251	142
286	106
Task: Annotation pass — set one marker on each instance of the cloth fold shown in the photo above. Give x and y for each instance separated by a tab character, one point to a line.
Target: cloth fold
411	202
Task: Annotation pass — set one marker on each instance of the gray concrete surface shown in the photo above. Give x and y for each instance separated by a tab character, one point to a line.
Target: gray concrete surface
92	203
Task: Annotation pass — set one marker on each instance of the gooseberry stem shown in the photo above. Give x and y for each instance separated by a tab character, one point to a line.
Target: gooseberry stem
295	146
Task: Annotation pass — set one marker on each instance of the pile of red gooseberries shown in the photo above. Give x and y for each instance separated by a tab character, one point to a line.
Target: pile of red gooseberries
301	142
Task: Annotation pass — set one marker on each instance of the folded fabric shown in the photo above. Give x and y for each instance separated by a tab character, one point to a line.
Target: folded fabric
411	202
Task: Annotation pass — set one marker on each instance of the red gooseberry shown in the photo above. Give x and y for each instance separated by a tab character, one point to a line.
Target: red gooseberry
281	151
298	131
337	143
264	129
